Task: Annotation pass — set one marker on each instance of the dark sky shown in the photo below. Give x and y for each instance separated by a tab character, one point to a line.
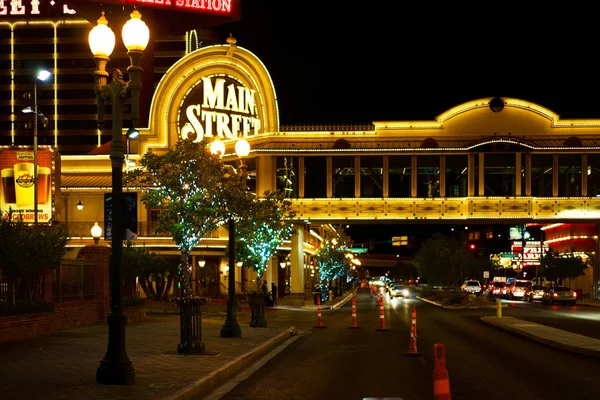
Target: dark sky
352	62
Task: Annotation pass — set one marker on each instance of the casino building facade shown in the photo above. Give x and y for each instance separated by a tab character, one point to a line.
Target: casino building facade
490	160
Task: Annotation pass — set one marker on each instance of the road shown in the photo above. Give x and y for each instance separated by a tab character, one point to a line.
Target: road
483	362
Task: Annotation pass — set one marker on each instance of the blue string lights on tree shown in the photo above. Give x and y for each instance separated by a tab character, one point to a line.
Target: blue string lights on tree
331	255
262	228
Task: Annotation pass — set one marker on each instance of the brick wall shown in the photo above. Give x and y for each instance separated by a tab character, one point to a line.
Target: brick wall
66	315
73	313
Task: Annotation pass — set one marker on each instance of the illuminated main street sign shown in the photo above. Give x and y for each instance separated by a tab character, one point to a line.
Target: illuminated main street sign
32	7
201	6
218	105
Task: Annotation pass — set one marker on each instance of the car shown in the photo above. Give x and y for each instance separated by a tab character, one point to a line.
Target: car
398	290
498	289
534	292
471	286
559	294
516	289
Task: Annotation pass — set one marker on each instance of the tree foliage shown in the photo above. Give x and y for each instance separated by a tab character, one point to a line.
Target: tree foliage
261	228
186	183
331	255
27	252
445	260
555	265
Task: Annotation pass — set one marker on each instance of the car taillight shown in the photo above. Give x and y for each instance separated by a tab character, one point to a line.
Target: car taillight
555	294
574	294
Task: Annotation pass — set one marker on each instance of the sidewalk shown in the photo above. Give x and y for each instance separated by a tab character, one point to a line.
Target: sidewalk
63	365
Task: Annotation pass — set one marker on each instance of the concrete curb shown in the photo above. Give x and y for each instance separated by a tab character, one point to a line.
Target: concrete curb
543	340
206	384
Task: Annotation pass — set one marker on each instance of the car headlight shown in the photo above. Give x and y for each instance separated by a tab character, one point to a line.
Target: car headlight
405	292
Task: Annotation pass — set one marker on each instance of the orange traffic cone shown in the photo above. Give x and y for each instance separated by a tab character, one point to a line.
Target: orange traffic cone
412	347
354	324
319	320
381	315
441	380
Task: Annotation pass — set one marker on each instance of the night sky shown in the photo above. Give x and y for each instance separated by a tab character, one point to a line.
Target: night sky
355	62
343	62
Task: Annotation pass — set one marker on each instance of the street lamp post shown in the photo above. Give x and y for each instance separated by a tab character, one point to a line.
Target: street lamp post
116	368
42	76
231	328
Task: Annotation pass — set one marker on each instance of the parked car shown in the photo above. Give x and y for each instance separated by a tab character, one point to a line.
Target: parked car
534	292
471	286
398	290
559	294
516	289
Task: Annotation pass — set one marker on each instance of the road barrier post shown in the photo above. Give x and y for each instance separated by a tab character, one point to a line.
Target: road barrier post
319	319
381	315
441	379
412	347
498	308
354	324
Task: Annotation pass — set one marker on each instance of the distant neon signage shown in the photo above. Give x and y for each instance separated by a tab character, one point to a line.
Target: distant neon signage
219	6
223	7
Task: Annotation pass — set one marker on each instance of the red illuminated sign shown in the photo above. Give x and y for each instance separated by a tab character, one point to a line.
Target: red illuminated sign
223	7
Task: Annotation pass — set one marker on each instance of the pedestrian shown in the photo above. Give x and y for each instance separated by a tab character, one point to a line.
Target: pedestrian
264	286
274	293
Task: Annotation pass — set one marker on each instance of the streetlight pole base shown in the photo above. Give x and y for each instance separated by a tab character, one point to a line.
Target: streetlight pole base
116	368
231	328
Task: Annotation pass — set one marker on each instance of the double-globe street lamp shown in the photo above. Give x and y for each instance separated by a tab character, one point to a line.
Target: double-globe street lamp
231	328
116	368
42	75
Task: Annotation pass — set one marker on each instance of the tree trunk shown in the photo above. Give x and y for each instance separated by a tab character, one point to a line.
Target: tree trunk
186	276
144	285
168	287
160	288
152	290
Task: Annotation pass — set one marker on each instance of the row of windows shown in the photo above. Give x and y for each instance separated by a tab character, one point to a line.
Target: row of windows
499	176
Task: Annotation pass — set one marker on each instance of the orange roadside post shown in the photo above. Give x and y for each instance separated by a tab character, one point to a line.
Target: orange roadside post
319	319
441	379
381	314
412	347
354	324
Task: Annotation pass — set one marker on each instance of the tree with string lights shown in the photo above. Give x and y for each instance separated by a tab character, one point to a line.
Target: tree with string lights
186	184
331	256
261	229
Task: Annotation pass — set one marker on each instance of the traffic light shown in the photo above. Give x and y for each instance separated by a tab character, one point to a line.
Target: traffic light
472	246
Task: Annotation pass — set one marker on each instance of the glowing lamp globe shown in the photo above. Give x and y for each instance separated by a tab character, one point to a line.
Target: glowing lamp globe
101	39
96	232
135	32
242	148
43	75
217	147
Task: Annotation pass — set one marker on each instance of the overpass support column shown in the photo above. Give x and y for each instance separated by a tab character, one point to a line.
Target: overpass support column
481	175
386	177
413	176
584	168
297	262
555	175
596	268
527	174
518	167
